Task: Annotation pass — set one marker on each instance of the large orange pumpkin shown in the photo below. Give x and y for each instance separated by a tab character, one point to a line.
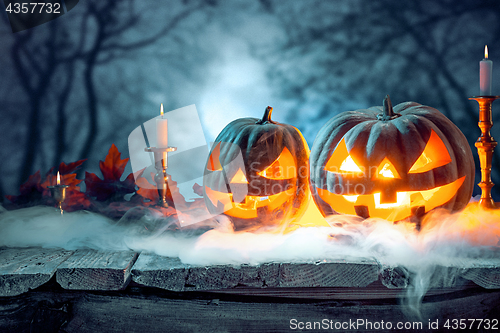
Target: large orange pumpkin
390	163
257	173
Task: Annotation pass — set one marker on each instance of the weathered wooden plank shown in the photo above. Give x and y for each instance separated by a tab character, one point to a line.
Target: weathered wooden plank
96	270
329	273
394	276
225	276
22	269
483	272
169	273
451	273
161	272
374	291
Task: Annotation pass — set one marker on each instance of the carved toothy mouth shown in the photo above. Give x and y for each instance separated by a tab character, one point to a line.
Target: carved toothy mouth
401	209
248	208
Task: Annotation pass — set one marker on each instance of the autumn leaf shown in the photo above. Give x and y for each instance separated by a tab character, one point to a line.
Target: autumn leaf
31	191
173	197
146	191
66	169
76	200
110	186
106	195
68	177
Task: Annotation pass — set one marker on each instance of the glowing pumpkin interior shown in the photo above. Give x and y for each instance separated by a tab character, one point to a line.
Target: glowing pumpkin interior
236	202
397	205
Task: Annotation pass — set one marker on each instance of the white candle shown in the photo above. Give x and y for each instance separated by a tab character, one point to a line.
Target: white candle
161	130
485	70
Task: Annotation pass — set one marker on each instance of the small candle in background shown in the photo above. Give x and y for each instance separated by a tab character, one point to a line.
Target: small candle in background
485	70
58	181
161	130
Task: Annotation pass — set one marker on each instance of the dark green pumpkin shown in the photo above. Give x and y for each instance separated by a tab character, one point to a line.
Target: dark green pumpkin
390	163
257	173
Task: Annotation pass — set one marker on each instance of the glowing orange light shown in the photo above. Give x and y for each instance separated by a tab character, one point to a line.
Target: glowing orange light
248	208
161	110
213	162
387	170
351	198
486	52
399	210
434	155
282	168
341	160
58	178
348	165
239	178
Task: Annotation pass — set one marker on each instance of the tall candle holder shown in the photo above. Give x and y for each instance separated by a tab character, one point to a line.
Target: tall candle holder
161	177
58	192
485	146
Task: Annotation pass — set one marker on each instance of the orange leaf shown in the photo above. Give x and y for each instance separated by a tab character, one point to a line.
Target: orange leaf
113	166
30	191
110	186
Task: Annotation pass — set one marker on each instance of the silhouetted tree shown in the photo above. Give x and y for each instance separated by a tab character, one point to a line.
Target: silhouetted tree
114	19
99	33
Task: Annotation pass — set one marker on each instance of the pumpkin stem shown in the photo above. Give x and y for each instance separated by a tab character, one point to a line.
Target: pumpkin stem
388	110
266	118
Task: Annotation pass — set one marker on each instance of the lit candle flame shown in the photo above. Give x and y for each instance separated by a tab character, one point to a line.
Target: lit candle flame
161	110
486	52
58	178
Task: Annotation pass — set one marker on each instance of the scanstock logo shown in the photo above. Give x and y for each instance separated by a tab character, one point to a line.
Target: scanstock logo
186	165
25	14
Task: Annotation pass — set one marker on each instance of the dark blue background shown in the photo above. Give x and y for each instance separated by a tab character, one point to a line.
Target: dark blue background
75	85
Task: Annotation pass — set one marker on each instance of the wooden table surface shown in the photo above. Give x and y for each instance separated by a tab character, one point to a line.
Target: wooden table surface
23	269
45	290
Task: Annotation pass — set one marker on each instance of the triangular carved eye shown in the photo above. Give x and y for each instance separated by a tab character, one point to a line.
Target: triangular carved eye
213	161
239	178
341	161
434	155
282	168
386	170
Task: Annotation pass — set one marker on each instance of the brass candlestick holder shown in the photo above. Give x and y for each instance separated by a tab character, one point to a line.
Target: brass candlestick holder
161	177
58	192
485	146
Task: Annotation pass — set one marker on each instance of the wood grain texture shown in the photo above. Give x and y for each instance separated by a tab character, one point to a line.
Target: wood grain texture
161	272
394	276
225	276
329	273
96	270
27	268
138	311
449	273
483	272
169	273
374	291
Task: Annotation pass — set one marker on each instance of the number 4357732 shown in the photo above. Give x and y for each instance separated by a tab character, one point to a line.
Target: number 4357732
462	324
34	7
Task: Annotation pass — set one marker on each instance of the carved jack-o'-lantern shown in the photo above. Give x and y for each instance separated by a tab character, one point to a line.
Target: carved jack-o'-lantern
257	173
391	163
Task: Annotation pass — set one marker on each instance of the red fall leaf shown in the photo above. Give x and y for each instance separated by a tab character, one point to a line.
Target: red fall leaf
110	187
30	191
106	195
